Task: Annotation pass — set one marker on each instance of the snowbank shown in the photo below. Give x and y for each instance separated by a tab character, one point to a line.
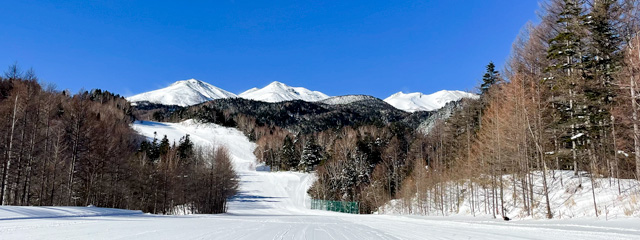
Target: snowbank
569	196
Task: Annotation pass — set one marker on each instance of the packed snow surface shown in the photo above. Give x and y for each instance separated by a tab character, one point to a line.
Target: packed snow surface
275	206
412	102
183	93
303	225
280	92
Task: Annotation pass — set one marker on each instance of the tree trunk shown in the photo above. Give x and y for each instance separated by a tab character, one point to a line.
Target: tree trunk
74	158
593	184
7	167
636	131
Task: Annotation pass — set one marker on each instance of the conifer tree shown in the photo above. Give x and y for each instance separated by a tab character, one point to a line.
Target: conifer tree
602	61
164	146
288	155
489	78
566	76
185	148
311	155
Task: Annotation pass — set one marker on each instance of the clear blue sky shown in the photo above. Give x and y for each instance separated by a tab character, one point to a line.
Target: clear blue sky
337	47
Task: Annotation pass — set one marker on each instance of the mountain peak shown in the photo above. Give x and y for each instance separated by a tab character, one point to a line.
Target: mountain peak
397	94
189	82
276	83
280	92
183	93
418	101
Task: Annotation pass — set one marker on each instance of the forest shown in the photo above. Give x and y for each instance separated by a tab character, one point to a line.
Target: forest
80	150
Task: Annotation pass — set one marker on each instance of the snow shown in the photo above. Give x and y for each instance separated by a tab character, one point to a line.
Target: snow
183	93
21	212
280	92
274	205
260	191
309	225
577	136
570	197
623	153
191	92
346	99
412	102
204	135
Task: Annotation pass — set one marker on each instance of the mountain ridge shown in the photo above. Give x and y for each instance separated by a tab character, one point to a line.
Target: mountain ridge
192	91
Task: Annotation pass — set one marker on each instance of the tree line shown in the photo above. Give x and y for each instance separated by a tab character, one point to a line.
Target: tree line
78	150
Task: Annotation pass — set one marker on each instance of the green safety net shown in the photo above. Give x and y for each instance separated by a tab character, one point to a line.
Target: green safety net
335	206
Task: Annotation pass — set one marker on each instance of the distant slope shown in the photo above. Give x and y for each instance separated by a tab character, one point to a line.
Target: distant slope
417	101
280	92
183	93
260	192
203	135
347	99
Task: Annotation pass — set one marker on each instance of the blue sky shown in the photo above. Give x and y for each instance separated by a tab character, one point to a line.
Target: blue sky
337	47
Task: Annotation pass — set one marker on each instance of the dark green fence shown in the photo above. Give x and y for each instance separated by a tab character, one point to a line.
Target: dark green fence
336	206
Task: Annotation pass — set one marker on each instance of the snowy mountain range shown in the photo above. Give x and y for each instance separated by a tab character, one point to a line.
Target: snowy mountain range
192	91
280	92
183	93
417	101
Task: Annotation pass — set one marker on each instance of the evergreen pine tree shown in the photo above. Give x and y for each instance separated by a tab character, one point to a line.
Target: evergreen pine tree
185	147
152	151
489	78
311	155
566	53
164	146
604	45
602	61
288	155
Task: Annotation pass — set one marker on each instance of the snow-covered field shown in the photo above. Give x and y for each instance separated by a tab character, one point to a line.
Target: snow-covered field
570	196
275	206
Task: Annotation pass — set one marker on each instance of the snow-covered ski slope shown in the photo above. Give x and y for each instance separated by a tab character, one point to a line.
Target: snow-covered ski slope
275	206
263	192
303	225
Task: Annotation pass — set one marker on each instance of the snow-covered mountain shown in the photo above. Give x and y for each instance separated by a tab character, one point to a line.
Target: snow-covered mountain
183	93
192	91
279	92
346	99
417	101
